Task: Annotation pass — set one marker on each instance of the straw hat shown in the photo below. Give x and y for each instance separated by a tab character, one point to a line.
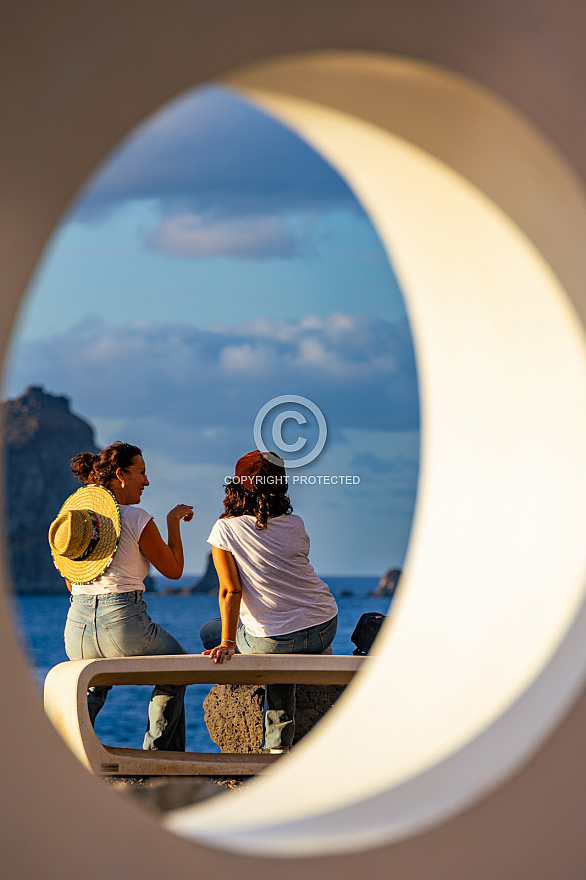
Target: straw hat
84	537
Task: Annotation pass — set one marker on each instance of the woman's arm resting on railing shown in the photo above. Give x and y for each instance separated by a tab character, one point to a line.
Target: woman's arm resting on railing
230	596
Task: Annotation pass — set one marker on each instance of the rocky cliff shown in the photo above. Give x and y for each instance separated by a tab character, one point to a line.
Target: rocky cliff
41	436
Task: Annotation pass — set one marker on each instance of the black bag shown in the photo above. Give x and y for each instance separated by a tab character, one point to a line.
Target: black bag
366	631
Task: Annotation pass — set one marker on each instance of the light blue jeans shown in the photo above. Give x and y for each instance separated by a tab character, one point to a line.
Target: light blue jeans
117	625
279	698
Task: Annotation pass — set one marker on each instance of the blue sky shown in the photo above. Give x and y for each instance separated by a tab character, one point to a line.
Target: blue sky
213	262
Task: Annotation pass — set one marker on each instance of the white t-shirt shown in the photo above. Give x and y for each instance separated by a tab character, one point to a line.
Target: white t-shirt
281	593
129	567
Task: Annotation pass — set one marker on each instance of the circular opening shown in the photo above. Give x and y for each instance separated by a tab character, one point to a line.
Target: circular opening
455	700
212	263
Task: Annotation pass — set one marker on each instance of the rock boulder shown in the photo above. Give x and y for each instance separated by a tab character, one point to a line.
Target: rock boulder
234	713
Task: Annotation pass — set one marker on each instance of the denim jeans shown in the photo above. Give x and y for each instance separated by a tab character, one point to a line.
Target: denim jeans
117	625
279	698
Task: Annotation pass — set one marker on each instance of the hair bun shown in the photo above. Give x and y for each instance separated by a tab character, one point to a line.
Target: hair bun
83	465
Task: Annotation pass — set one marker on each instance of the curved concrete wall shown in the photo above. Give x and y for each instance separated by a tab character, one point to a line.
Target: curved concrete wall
478	663
76	78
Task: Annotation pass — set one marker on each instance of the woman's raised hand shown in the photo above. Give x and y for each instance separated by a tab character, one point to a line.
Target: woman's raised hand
181	512
167	558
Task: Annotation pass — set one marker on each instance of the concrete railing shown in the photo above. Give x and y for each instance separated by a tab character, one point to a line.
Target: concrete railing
66	704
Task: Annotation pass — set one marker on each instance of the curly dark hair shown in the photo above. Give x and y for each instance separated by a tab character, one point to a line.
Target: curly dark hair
101	468
240	501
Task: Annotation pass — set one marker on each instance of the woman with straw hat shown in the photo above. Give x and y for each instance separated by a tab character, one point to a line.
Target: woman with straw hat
102	544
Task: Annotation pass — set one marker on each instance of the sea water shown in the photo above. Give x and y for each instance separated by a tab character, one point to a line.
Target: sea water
41	620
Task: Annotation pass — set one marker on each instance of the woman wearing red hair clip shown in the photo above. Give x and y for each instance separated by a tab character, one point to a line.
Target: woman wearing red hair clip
271	599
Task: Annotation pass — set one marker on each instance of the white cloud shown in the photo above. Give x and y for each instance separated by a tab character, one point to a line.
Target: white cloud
245	360
178	384
190	235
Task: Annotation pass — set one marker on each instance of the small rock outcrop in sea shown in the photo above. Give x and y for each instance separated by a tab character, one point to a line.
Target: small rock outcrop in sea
209	583
41	435
234	713
387	584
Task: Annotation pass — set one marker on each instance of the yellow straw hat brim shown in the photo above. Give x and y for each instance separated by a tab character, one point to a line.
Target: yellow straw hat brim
101	501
